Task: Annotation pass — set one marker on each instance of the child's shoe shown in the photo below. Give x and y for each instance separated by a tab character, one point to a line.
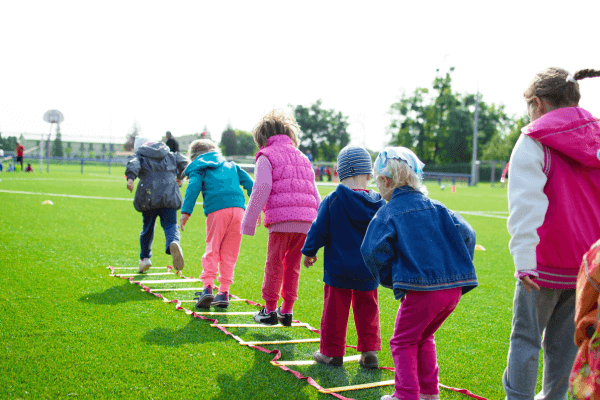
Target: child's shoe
221	300
423	396
177	255
389	397
205	299
369	360
145	265
284	319
323	359
262	317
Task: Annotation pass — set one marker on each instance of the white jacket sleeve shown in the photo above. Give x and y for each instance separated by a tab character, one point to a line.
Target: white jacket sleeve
527	202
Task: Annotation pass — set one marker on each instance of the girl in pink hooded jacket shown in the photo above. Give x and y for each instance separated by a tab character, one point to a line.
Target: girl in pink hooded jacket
286	191
554	206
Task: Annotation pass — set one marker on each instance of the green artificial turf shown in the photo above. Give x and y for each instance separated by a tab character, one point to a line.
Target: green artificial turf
68	329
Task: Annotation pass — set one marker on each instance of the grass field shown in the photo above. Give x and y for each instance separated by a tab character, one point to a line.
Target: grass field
67	329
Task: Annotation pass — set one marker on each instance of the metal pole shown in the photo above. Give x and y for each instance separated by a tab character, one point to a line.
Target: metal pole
475	134
42	152
48	151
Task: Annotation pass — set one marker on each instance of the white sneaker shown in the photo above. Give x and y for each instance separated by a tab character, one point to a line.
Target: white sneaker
389	397
429	396
145	264
177	255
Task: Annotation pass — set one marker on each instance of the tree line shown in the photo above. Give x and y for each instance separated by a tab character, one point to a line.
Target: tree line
435	122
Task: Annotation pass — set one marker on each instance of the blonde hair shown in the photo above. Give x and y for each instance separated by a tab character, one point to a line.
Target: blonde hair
276	122
403	174
201	146
552	85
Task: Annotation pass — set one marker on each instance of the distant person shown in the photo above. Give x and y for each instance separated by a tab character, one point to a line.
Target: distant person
340	227
423	252
20	151
585	376
309	156
224	204
11	167
554	218
172	143
1	158
157	195
29	169
285	189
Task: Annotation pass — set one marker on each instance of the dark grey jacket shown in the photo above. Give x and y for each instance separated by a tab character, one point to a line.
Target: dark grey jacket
157	168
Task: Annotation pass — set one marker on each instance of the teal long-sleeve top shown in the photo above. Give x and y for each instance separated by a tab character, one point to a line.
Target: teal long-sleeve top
219	181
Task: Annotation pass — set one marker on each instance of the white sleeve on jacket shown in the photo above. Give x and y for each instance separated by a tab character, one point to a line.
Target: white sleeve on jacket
527	202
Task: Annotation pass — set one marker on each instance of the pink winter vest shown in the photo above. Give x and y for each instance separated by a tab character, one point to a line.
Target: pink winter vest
292	194
571	141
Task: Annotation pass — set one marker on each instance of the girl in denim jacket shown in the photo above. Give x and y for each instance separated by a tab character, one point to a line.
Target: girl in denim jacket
423	251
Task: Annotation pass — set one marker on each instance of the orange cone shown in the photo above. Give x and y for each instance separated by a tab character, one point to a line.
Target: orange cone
453	189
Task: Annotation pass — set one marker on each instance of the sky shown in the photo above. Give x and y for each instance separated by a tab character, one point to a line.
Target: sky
184	65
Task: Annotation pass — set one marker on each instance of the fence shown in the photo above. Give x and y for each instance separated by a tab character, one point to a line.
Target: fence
75	165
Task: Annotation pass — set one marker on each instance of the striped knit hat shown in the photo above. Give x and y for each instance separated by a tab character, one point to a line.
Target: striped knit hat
352	161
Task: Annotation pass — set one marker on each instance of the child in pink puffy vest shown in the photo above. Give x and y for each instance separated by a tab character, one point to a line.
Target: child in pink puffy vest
286	191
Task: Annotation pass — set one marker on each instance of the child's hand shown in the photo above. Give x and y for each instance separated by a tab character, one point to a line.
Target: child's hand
183	220
309	261
130	184
179	181
529	284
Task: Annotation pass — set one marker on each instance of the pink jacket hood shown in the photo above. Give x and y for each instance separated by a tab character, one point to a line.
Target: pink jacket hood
571	131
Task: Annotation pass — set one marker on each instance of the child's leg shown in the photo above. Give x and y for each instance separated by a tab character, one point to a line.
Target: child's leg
334	322
168	221
428	369
531	313
216	225
291	271
419	313
365	307
147	234
559	347
230	247
273	277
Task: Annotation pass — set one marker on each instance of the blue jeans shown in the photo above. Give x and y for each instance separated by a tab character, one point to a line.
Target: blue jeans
168	221
544	319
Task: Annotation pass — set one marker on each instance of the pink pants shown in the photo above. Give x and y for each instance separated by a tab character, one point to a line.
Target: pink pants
413	346
282	270
223	238
334	323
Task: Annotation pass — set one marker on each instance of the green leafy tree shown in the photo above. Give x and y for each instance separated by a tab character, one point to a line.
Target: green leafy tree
69	150
438	124
81	149
57	147
500	146
323	132
229	141
245	143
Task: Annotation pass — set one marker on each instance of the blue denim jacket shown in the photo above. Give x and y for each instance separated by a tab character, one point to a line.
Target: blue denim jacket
416	243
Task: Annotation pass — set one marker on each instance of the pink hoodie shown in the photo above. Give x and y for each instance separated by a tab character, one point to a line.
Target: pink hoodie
571	141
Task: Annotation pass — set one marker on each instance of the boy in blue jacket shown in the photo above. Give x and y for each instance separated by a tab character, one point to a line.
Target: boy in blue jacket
341	224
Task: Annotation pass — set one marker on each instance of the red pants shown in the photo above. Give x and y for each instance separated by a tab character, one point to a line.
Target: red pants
282	269
334	323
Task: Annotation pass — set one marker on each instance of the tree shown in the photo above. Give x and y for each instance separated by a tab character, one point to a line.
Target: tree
134	131
57	147
229	141
438	126
323	132
245	143
69	150
81	149
500	146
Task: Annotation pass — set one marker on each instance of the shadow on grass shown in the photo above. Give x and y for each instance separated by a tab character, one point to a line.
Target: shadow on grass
117	295
195	332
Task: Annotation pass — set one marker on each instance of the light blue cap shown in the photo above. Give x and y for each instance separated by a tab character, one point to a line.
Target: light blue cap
398	153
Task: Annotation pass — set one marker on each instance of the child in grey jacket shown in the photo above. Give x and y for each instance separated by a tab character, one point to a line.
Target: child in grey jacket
157	195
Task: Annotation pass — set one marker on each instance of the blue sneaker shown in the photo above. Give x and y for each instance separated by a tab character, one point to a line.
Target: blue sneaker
205	299
221	300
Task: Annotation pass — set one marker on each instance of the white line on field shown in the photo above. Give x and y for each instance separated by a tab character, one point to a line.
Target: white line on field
483	214
70	195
